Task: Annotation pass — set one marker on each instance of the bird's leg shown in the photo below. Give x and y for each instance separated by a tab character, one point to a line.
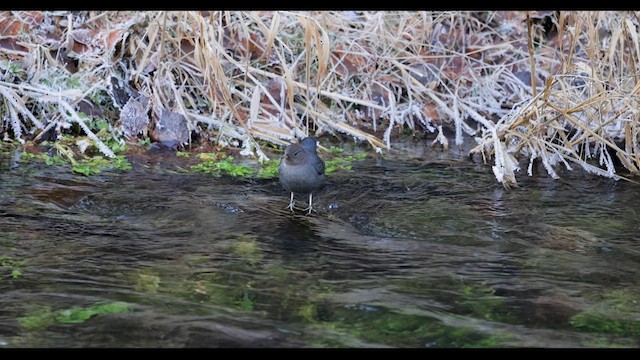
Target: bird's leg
291	203
310	208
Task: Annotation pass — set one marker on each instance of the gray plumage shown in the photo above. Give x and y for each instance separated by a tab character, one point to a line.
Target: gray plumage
301	171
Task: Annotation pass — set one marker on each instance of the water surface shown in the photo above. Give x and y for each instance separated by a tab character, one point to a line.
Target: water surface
421	248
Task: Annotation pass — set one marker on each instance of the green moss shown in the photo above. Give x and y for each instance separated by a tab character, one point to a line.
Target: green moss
246	247
601	323
147	282
86	166
96	164
16	273
614	314
12	68
42	318
121	163
45	158
38	319
472	299
480	301
73	315
405	330
269	169
608	342
218	164
276	271
308	313
79	315
13	265
245	303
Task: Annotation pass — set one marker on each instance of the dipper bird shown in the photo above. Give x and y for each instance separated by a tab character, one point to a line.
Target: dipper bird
301	171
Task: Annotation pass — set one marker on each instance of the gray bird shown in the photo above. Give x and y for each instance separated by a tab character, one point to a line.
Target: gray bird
301	171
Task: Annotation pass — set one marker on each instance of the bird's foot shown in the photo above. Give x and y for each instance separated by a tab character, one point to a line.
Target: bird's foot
310	207
291	203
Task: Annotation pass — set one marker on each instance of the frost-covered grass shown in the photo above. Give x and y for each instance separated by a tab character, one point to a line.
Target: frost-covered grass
245	79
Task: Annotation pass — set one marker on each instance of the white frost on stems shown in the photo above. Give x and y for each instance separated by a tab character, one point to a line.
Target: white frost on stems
477	117
534	155
548	165
15	125
65	109
393	114
605	158
15	100
441	105
417	112
248	149
387	132
562	158
458	120
505	164
254	107
596	170
441	138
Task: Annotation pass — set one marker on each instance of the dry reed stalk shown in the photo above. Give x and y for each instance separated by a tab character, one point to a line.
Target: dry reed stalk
281	75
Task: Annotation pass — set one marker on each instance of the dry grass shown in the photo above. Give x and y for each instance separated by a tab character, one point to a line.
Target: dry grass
239	77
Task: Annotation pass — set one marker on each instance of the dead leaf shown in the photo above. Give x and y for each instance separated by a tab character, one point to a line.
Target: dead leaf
277	90
349	64
134	118
430	111
380	96
83	36
12	45
457	68
113	37
243	46
424	73
12	27
171	126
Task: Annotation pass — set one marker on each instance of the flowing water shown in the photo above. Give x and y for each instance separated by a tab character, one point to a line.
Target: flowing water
420	249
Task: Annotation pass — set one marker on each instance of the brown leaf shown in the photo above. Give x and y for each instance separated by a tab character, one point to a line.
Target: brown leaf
255	47
347	64
250	46
79	48
90	108
12	27
187	48
83	36
276	88
456	69
12	45
430	111
112	38
380	96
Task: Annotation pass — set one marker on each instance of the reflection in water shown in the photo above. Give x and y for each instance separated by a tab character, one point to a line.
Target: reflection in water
430	252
